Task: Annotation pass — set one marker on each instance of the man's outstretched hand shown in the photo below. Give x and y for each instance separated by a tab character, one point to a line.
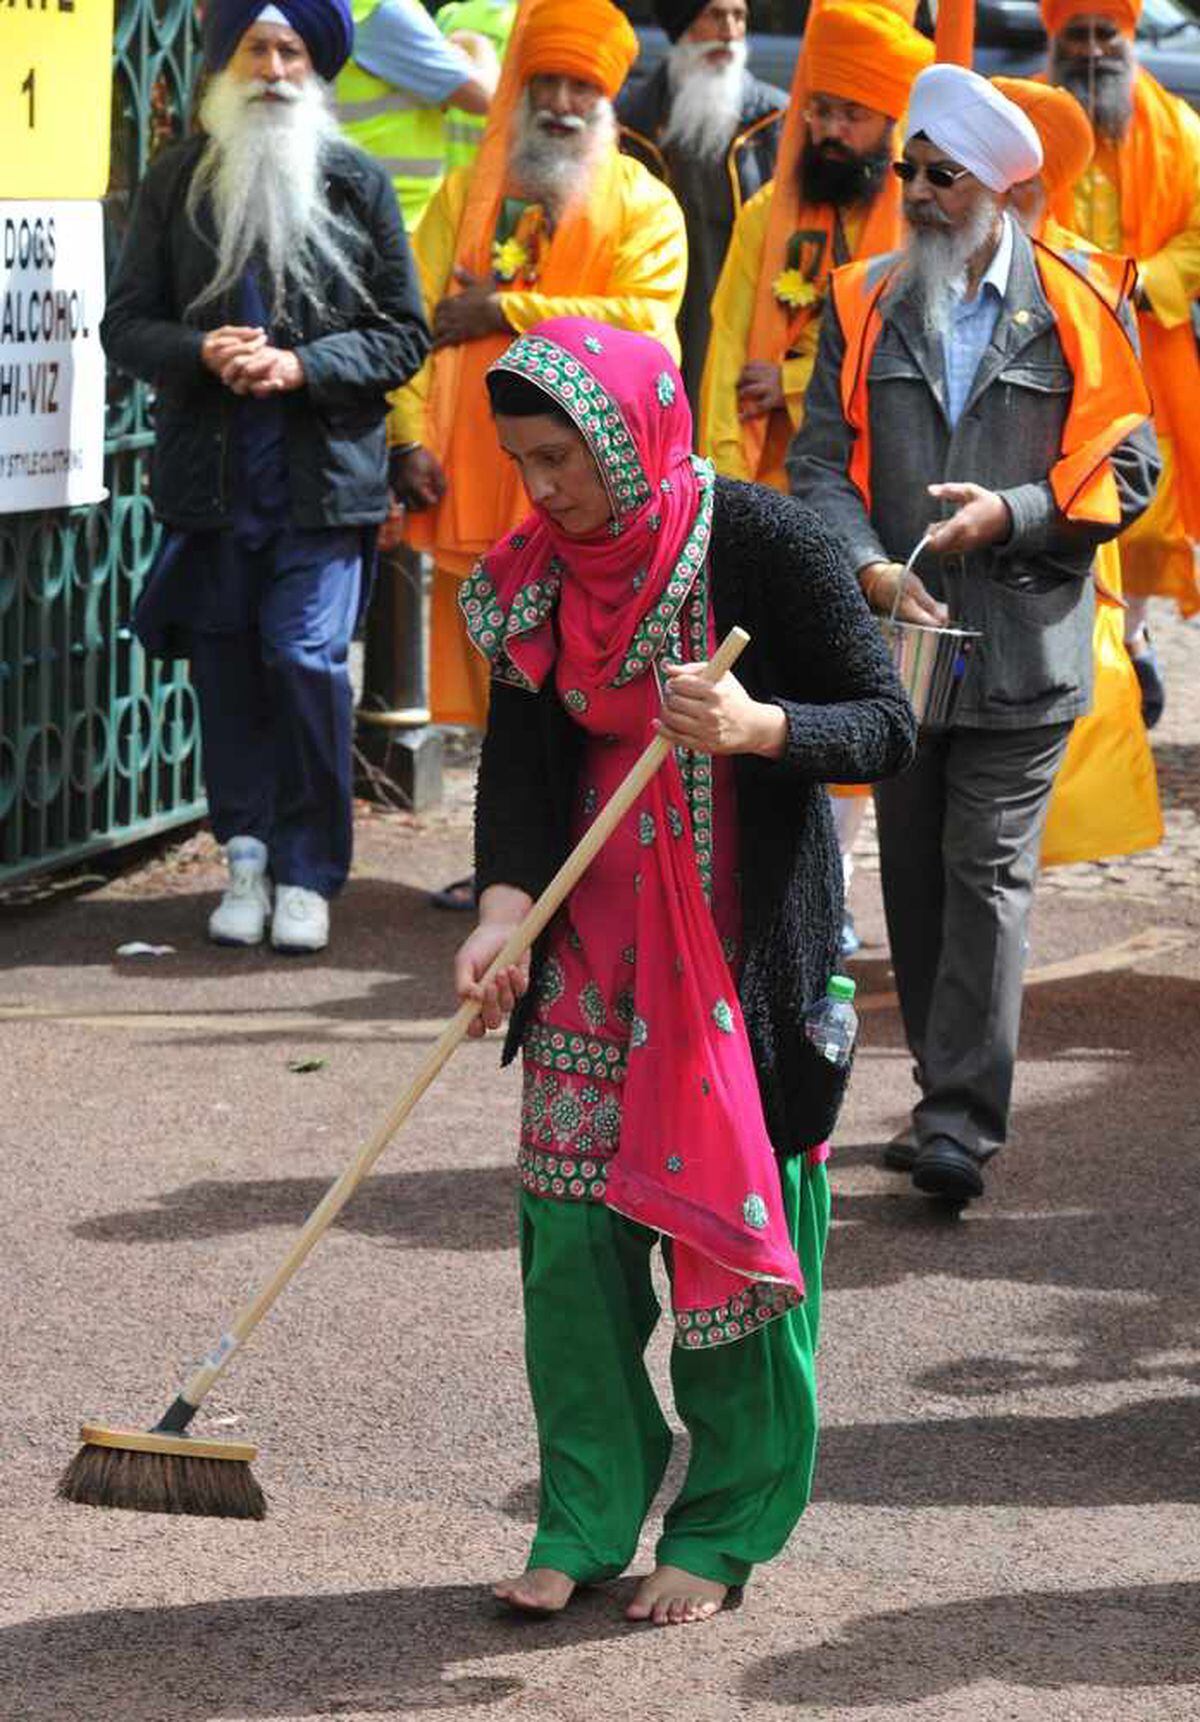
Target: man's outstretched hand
980	518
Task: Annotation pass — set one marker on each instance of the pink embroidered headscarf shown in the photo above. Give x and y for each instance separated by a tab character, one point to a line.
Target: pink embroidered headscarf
695	1161
626	398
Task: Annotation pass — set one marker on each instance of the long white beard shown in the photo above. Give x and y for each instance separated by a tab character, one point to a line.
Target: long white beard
935	263
1104	90
263	172
557	171
706	98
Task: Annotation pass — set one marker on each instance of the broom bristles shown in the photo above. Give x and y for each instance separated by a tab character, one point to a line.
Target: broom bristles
149	1482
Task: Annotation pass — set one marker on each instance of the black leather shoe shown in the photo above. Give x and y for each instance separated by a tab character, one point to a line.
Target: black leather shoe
899	1154
944	1168
1148	671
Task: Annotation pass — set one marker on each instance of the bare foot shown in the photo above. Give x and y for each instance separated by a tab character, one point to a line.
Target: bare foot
671	1597
541	1590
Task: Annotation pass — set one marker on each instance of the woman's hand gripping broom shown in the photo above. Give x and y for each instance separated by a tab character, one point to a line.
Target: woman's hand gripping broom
165	1470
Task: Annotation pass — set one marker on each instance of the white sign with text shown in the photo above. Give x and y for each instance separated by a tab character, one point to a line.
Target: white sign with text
51	362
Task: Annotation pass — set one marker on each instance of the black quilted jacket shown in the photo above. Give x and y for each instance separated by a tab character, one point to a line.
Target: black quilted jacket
816	652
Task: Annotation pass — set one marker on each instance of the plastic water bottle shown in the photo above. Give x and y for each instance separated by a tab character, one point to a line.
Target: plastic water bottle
832	1025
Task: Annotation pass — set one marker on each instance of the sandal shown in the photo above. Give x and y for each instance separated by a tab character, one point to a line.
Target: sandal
459	895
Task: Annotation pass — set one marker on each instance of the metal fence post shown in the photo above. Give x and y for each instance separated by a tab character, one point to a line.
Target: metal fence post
398	748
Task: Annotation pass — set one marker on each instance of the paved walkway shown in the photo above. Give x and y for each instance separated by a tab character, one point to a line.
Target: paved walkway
1007	1521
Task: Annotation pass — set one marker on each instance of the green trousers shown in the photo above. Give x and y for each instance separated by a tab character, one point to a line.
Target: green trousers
749	1407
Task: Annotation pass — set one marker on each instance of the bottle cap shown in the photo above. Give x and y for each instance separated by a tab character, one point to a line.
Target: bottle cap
840	987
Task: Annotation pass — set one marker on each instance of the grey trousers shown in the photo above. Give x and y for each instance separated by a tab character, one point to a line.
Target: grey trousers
959	835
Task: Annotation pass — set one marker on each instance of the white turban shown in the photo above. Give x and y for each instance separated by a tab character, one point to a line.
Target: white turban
966	117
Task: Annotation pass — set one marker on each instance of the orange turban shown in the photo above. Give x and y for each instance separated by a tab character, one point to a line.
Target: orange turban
1057	14
865	53
585	39
1062	125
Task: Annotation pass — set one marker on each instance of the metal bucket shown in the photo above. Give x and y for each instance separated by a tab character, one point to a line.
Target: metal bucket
931	662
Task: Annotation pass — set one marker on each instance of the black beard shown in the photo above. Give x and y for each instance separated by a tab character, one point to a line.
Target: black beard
841	178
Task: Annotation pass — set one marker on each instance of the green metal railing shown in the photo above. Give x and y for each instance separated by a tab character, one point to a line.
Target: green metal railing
98	746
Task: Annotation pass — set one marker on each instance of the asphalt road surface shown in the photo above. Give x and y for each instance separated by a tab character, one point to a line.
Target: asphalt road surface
1007	1513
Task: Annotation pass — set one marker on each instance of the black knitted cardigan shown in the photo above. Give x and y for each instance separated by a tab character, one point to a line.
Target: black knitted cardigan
815	651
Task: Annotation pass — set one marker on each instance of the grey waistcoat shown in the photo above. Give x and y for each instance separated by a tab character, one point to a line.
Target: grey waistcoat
1031	597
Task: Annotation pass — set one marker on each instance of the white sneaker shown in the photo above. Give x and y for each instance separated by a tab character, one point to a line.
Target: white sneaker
300	921
241	916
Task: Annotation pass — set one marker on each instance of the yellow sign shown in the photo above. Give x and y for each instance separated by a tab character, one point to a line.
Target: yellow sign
55	97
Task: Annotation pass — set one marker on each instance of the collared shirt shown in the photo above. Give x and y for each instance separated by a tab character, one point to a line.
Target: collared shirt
972	324
400	43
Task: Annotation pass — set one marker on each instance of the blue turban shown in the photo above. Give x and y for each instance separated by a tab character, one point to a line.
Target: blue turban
325	27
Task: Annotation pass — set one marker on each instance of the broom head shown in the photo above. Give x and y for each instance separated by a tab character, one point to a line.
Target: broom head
151	1473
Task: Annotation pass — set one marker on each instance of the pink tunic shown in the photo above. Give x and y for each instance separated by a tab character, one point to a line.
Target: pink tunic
595	991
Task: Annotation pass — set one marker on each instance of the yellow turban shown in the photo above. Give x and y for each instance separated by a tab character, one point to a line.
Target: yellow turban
866	53
1062	125
1057	14
585	39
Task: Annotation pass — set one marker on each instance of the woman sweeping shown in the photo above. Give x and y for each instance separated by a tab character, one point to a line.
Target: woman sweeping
669	1091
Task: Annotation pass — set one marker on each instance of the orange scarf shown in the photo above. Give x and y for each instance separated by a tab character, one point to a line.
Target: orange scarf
775	328
1156	188
484	498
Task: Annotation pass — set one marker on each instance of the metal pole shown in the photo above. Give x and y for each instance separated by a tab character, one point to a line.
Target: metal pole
401	754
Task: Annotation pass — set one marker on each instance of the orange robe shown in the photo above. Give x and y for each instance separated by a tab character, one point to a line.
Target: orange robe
1141	198
620	259
750	322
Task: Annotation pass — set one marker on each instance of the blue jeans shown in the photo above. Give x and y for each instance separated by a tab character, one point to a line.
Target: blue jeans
276	706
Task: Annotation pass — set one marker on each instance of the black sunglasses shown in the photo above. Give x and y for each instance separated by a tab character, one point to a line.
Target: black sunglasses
937	174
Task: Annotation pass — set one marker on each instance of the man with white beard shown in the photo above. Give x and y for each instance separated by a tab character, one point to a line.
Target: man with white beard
1139	197
551	221
710	130
977	394
267	294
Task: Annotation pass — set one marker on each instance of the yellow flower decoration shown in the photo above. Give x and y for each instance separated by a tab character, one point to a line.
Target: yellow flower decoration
792	290
509	259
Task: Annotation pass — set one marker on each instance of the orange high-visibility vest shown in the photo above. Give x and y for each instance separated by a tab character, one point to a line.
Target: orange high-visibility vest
1108	401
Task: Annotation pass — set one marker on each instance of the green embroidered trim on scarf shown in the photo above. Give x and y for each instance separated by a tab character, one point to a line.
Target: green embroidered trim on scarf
652	632
490	629
592	409
687	642
753	1308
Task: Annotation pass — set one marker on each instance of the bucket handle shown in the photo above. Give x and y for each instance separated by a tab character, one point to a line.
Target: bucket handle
904	573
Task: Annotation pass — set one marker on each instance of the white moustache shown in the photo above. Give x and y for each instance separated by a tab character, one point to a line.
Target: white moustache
259	89
929	217
559	122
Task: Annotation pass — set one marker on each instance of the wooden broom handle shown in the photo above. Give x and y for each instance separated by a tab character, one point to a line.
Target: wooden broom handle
515	946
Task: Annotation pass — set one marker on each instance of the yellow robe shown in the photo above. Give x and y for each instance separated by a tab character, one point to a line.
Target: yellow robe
1105	798
720	436
644	273
719	431
643	292
1156	552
